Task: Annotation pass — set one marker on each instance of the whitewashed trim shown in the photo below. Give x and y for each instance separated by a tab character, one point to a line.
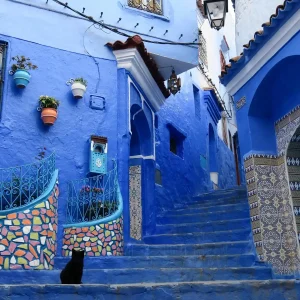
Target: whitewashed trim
151	157
131	60
282	36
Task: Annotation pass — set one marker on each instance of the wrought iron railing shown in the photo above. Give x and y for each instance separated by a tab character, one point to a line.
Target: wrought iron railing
23	184
93	198
152	6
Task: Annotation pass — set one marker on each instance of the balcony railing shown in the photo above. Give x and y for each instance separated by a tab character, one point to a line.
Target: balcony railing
93	198
152	6
21	185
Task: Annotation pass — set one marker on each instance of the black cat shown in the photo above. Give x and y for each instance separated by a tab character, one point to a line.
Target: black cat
72	273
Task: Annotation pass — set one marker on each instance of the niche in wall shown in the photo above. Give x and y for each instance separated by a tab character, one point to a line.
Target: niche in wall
176	139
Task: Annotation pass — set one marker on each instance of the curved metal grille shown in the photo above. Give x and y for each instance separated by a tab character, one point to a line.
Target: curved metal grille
92	198
23	184
152	6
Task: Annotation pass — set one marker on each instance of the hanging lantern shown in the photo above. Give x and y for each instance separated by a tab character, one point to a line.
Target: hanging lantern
216	10
174	83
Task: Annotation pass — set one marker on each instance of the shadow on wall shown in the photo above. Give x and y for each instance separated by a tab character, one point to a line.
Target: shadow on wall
277	94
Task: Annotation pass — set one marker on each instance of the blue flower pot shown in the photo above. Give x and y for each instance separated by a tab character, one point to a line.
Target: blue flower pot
21	78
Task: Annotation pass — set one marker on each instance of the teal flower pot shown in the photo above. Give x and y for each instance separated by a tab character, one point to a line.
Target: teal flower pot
21	78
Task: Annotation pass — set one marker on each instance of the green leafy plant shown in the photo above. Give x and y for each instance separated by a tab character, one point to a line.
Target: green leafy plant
22	63
48	102
81	80
42	153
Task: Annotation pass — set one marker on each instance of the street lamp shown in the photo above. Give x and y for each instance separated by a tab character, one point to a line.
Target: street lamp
216	10
174	83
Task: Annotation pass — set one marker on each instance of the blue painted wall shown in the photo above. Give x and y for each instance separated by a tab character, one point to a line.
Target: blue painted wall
184	177
270	94
22	131
52	25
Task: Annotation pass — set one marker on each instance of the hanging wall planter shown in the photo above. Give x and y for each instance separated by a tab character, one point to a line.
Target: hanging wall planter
79	87
48	107
20	70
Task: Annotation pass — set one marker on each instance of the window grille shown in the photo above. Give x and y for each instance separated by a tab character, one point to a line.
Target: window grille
203	51
222	62
3	48
158	178
151	6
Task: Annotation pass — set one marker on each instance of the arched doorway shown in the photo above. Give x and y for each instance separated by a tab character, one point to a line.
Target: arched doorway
293	165
141	172
213	167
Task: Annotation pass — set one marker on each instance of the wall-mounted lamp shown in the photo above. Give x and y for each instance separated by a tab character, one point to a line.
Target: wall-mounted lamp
174	83
216	10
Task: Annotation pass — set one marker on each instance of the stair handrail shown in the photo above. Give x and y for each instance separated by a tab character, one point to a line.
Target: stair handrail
94	200
22	185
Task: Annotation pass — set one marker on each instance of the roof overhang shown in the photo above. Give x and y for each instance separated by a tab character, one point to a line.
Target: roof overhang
282	27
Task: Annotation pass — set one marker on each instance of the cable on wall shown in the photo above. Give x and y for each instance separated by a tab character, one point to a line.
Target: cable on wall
117	31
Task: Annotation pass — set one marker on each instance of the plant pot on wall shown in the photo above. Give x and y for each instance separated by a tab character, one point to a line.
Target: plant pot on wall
20	70
49	116
48	106
79	88
21	78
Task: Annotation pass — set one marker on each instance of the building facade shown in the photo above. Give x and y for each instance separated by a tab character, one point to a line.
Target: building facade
263	82
126	151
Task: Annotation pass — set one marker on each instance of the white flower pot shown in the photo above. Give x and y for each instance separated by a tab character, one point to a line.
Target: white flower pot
78	90
214	177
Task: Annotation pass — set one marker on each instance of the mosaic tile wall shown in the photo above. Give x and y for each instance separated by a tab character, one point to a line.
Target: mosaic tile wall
135	202
288	141
98	240
271	213
28	238
293	163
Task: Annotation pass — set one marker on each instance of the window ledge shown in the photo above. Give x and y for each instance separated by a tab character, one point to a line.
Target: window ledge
162	17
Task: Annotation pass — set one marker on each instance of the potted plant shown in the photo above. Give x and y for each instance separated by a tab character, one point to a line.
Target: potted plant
79	87
49	109
20	70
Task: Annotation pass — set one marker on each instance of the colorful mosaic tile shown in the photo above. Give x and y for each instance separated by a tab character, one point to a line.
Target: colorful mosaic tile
28	238
271	211
98	240
135	201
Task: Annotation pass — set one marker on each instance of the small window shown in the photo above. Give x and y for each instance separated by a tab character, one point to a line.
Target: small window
230	140
176	141
197	103
3	47
151	6
173	145
156	121
222	61
203	50
158	179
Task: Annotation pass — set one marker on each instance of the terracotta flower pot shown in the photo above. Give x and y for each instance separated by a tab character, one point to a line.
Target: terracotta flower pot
49	116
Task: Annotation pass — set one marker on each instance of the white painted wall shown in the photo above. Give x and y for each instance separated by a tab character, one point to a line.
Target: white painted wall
213	40
250	15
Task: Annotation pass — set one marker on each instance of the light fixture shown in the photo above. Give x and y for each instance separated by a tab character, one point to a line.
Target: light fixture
174	83
216	10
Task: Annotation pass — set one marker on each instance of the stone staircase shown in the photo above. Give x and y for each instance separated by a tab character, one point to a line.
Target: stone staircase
202	250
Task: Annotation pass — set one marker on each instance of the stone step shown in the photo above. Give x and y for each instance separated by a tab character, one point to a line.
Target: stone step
226	248
204	217
199	208
205	290
203	261
218	201
141	275
199	237
204	226
222	194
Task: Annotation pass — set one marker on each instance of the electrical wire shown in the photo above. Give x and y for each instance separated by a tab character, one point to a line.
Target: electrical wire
94	59
200	67
117	31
